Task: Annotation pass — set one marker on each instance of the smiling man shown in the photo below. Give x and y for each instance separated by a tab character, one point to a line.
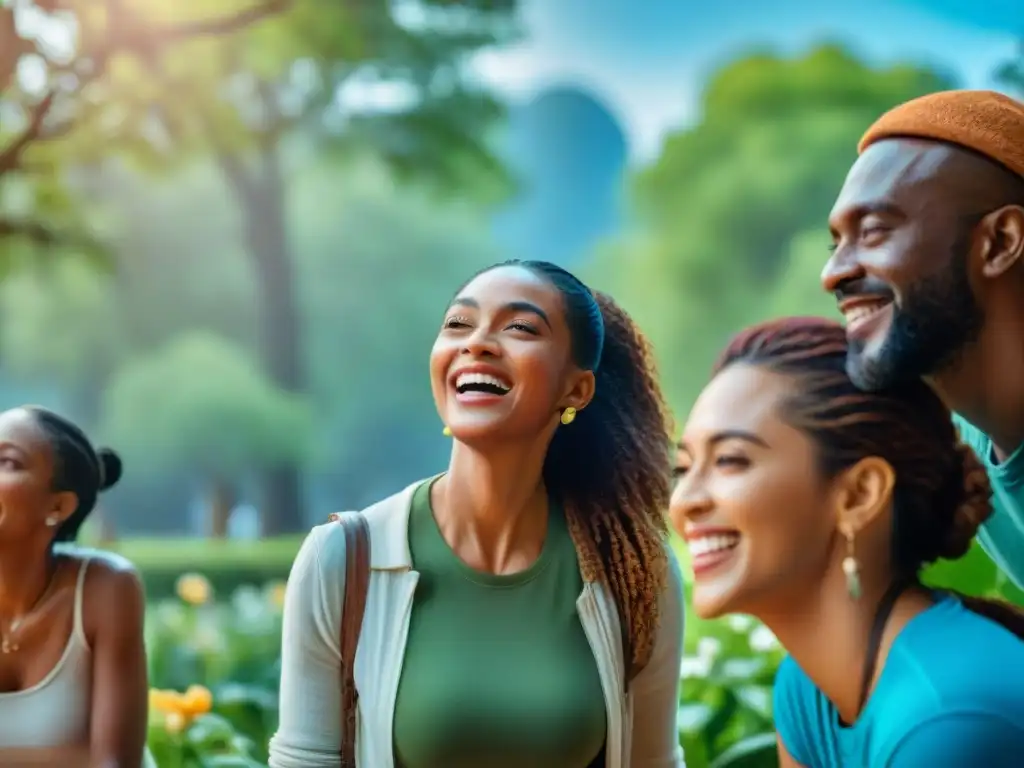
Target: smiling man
928	268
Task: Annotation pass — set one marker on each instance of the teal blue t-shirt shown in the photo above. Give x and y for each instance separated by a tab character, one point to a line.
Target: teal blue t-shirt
951	695
1002	535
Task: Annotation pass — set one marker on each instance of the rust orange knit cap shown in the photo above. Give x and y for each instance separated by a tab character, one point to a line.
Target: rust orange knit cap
987	122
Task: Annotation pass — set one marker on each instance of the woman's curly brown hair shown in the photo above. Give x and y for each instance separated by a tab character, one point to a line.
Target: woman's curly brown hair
611	468
942	492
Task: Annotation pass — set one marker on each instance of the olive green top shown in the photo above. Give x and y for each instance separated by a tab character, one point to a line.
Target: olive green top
498	671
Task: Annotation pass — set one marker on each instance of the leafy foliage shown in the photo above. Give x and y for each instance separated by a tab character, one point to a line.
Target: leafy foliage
212	407
60	69
723	207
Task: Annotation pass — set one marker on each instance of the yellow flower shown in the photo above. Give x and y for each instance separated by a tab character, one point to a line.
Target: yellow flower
276	594
196	701
165	702
194	588
179	709
175	722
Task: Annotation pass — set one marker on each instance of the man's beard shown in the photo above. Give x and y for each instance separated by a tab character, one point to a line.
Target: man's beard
938	318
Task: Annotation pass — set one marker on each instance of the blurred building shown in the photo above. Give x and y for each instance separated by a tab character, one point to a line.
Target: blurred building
568	153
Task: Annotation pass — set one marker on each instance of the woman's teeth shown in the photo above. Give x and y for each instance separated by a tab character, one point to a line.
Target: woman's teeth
708	544
470	379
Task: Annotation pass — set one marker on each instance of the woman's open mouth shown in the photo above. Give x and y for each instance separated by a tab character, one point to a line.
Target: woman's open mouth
480	388
712	550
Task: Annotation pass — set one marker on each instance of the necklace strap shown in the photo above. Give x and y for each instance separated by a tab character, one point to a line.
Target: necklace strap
882	614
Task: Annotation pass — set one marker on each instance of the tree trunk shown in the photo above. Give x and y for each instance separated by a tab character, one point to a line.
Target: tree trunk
222	501
106	535
261	194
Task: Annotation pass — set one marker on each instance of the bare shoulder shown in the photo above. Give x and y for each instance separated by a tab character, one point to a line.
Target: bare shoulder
113	593
110	572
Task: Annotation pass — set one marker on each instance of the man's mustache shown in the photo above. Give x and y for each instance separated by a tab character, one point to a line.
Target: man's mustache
856	288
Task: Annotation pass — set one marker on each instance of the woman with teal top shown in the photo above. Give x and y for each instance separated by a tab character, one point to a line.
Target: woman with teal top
523	607
813	506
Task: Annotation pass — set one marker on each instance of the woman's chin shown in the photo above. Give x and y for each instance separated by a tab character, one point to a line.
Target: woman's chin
710	602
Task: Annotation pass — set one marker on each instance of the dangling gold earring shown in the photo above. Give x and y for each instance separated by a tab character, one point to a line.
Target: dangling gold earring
851	568
447	431
568	416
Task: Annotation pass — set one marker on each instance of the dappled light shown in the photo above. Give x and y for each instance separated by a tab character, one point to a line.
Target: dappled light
229	231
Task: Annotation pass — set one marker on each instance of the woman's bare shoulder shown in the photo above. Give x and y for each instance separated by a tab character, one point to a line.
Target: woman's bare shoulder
113	592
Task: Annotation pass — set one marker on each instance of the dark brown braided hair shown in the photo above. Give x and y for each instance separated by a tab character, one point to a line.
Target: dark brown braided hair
611	469
942	492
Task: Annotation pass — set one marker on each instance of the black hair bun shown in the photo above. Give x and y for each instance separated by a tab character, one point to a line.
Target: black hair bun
110	468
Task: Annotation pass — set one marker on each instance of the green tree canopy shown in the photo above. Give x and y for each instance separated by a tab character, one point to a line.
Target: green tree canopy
201	404
720	209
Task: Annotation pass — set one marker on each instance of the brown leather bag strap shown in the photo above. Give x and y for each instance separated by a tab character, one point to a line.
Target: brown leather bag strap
357	583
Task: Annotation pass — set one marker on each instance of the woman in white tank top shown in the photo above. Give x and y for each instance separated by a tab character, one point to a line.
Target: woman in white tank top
73	687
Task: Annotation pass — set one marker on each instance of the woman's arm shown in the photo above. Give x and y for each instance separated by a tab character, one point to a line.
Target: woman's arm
785	759
116	609
655	741
309	734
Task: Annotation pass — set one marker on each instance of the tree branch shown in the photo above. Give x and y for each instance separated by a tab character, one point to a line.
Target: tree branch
91	65
224	25
40	234
12	153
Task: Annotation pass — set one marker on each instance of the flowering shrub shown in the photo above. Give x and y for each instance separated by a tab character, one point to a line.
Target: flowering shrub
215	666
725	711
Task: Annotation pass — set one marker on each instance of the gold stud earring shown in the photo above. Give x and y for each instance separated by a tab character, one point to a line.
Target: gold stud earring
851	569
51	521
447	431
568	416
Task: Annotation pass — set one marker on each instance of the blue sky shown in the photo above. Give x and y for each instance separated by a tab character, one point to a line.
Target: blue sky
647	58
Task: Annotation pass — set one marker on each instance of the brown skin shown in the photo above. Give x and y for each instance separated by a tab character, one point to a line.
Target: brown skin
743	468
909	214
113	601
492	504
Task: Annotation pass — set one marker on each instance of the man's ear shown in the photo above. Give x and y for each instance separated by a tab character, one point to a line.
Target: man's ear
863	492
1003	244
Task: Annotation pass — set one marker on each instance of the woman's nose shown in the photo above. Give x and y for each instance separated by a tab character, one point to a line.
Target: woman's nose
690	500
482	343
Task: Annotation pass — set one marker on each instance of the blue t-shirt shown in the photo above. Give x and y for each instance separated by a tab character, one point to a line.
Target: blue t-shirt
951	695
1002	535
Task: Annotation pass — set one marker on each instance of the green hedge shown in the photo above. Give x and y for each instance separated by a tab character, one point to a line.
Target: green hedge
227	564
230	564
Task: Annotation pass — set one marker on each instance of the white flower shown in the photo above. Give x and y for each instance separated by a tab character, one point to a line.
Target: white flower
739	623
694	666
763	639
708	648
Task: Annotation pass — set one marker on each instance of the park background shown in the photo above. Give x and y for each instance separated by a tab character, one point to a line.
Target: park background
228	230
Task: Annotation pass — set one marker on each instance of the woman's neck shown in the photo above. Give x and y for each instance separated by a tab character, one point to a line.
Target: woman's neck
492	509
24	576
827	634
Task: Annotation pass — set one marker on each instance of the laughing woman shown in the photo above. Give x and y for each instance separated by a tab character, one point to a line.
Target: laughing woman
73	687
523	607
813	506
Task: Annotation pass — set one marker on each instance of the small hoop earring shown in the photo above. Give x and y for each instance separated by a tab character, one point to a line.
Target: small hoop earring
447	431
851	569
568	416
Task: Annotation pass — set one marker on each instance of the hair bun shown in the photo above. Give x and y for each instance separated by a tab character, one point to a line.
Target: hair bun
974	507
110	468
